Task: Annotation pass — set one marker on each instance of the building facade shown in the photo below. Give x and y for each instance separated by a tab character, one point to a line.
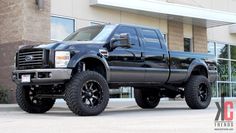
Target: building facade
204	26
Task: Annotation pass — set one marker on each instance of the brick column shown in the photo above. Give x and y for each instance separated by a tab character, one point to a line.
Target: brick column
21	23
199	39
175	35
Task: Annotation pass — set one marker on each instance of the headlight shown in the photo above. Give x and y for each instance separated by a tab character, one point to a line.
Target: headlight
62	58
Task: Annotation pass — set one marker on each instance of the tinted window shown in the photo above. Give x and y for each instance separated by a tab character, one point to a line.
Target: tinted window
151	39
132	33
187	44
92	33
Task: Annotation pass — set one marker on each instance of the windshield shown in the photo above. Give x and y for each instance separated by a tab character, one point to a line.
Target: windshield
93	33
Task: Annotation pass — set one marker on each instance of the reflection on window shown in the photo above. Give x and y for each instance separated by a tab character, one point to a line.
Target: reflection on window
222	50
61	28
226	58
233	70
224	89
233	89
151	39
223	70
233	52
214	89
187	44
211	48
132	34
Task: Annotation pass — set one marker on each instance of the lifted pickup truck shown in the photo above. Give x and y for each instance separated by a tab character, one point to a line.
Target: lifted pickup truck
83	67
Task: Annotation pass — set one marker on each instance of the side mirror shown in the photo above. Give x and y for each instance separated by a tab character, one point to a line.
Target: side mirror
123	39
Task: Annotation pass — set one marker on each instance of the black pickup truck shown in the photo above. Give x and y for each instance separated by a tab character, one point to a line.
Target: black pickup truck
82	68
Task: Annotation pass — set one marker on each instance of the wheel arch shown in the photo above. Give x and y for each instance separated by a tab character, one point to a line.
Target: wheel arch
197	67
91	61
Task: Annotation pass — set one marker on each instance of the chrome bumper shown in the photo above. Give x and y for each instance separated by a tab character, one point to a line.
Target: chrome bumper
42	76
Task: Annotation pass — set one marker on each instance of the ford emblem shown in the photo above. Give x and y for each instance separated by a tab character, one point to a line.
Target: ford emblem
28	57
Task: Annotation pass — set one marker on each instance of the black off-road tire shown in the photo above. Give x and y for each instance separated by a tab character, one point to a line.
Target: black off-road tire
146	99
198	92
26	103
77	96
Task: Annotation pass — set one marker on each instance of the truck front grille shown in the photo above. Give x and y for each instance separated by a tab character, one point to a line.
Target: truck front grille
32	58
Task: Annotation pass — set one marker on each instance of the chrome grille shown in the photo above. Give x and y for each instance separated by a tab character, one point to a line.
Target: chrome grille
30	59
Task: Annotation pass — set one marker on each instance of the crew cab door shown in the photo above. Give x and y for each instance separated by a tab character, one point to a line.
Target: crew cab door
126	63
155	56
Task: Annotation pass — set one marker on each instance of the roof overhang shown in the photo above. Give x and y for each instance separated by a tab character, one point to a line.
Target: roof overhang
184	13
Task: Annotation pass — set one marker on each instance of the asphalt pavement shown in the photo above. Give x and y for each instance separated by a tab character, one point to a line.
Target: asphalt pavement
121	116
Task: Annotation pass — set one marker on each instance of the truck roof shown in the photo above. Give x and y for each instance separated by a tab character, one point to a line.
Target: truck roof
134	25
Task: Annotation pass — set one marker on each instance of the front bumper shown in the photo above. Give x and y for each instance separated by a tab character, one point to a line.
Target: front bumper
42	76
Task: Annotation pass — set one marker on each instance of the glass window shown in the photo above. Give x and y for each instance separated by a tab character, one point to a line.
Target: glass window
132	34
224	90
61	28
151	39
233	70
187	44
222	50
233	52
86	34
214	89
226	68
233	86
211	48
92	33
223	70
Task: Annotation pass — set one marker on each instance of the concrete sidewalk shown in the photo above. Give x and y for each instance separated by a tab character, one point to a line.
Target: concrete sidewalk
120	116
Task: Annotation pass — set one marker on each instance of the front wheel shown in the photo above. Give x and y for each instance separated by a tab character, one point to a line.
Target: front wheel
87	93
26	97
146	98
198	92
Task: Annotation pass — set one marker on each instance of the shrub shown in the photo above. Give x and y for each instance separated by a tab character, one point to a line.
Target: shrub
3	95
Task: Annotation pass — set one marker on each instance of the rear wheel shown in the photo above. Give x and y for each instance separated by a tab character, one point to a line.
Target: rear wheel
26	97
87	93
146	99
198	92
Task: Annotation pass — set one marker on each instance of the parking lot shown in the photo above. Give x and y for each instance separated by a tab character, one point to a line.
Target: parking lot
120	116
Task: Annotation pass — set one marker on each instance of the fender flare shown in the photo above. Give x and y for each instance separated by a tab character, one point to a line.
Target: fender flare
78	57
194	64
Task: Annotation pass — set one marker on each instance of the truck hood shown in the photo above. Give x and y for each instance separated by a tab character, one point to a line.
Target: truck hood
72	45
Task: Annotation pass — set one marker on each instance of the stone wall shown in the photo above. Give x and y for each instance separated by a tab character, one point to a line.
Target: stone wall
199	39
21	23
11	21
175	35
